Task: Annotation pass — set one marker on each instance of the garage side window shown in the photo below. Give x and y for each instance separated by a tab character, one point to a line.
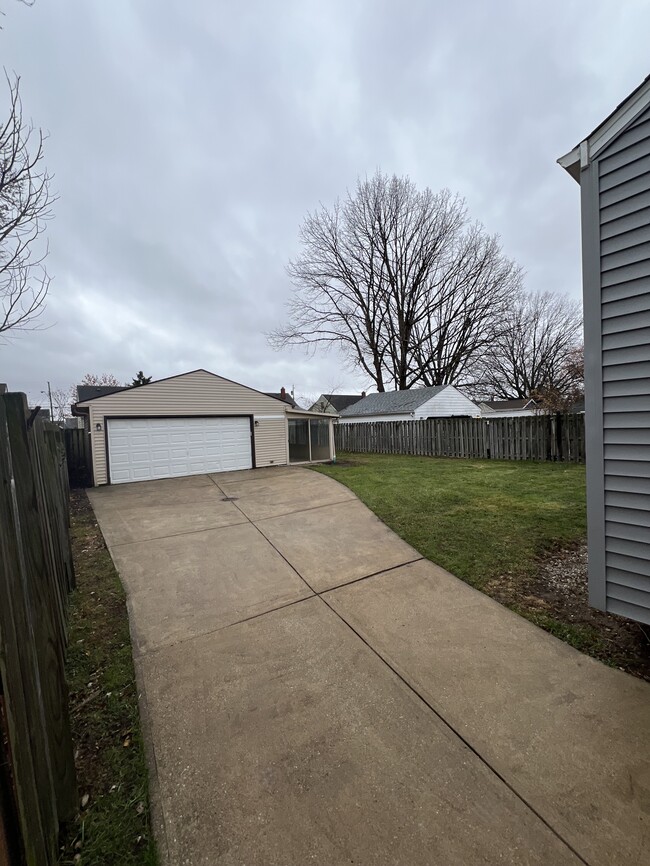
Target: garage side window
298	441
320	440
308	440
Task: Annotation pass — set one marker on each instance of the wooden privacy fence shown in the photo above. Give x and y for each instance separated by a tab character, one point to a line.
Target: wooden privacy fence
79	457
36	575
537	437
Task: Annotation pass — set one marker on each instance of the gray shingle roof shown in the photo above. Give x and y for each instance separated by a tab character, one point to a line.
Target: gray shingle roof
90	392
342	401
392	402
277	395
509	404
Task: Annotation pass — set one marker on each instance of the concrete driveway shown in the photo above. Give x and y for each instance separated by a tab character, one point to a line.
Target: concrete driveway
313	691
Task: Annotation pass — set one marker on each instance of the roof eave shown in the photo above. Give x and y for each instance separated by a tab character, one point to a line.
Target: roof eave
571	162
378	412
291	411
589	148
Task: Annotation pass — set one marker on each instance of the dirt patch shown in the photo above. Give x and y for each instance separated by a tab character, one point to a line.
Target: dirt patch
113	821
556	598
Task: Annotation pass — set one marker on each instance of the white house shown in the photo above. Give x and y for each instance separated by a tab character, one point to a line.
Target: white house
416	404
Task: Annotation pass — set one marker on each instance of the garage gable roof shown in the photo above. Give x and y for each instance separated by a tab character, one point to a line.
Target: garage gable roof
139	389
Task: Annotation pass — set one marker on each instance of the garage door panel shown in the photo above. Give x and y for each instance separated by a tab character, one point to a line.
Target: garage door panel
140	449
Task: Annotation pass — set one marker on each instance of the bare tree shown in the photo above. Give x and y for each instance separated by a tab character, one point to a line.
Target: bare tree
468	314
107	379
537	350
25	205
23	2
62	399
400	280
572	390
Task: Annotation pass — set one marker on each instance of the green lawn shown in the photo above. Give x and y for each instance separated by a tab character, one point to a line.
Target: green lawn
480	519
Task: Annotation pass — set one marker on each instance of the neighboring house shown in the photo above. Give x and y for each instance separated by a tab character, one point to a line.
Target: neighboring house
508	408
333	404
612	166
441	401
89	392
194	423
578	408
284	396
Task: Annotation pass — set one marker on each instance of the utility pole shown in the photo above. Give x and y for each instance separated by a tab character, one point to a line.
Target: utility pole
49	394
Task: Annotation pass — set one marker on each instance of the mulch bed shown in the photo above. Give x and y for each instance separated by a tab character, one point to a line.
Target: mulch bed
559	590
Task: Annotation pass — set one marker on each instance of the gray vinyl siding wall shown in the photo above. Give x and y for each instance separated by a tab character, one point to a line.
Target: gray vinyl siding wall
616	265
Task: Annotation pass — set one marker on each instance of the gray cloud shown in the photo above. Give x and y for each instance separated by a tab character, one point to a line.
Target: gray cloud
189	140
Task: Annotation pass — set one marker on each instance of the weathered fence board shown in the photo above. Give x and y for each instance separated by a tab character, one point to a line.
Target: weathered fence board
79	457
36	575
536	437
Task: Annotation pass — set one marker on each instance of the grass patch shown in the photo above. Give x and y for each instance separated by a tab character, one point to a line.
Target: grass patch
582	637
480	519
113	825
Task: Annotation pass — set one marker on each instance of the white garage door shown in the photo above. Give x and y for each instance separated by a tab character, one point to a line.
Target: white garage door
145	448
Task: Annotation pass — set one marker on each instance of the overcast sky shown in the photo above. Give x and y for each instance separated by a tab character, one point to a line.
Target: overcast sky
189	139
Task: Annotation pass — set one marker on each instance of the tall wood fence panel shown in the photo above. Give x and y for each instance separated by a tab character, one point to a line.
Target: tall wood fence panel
36	575
537	437
79	457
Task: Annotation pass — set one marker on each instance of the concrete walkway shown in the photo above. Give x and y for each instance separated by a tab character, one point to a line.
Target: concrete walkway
313	691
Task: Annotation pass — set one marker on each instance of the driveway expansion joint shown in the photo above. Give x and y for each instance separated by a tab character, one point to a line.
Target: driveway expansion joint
141	654
389	650
460	736
412	688
176	534
303	510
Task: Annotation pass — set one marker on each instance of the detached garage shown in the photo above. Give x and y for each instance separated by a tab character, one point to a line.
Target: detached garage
196	423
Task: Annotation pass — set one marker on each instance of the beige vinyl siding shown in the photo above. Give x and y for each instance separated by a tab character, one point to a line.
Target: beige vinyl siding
196	393
271	441
98	445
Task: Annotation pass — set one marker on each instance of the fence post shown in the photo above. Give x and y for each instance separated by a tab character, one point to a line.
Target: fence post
31	638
